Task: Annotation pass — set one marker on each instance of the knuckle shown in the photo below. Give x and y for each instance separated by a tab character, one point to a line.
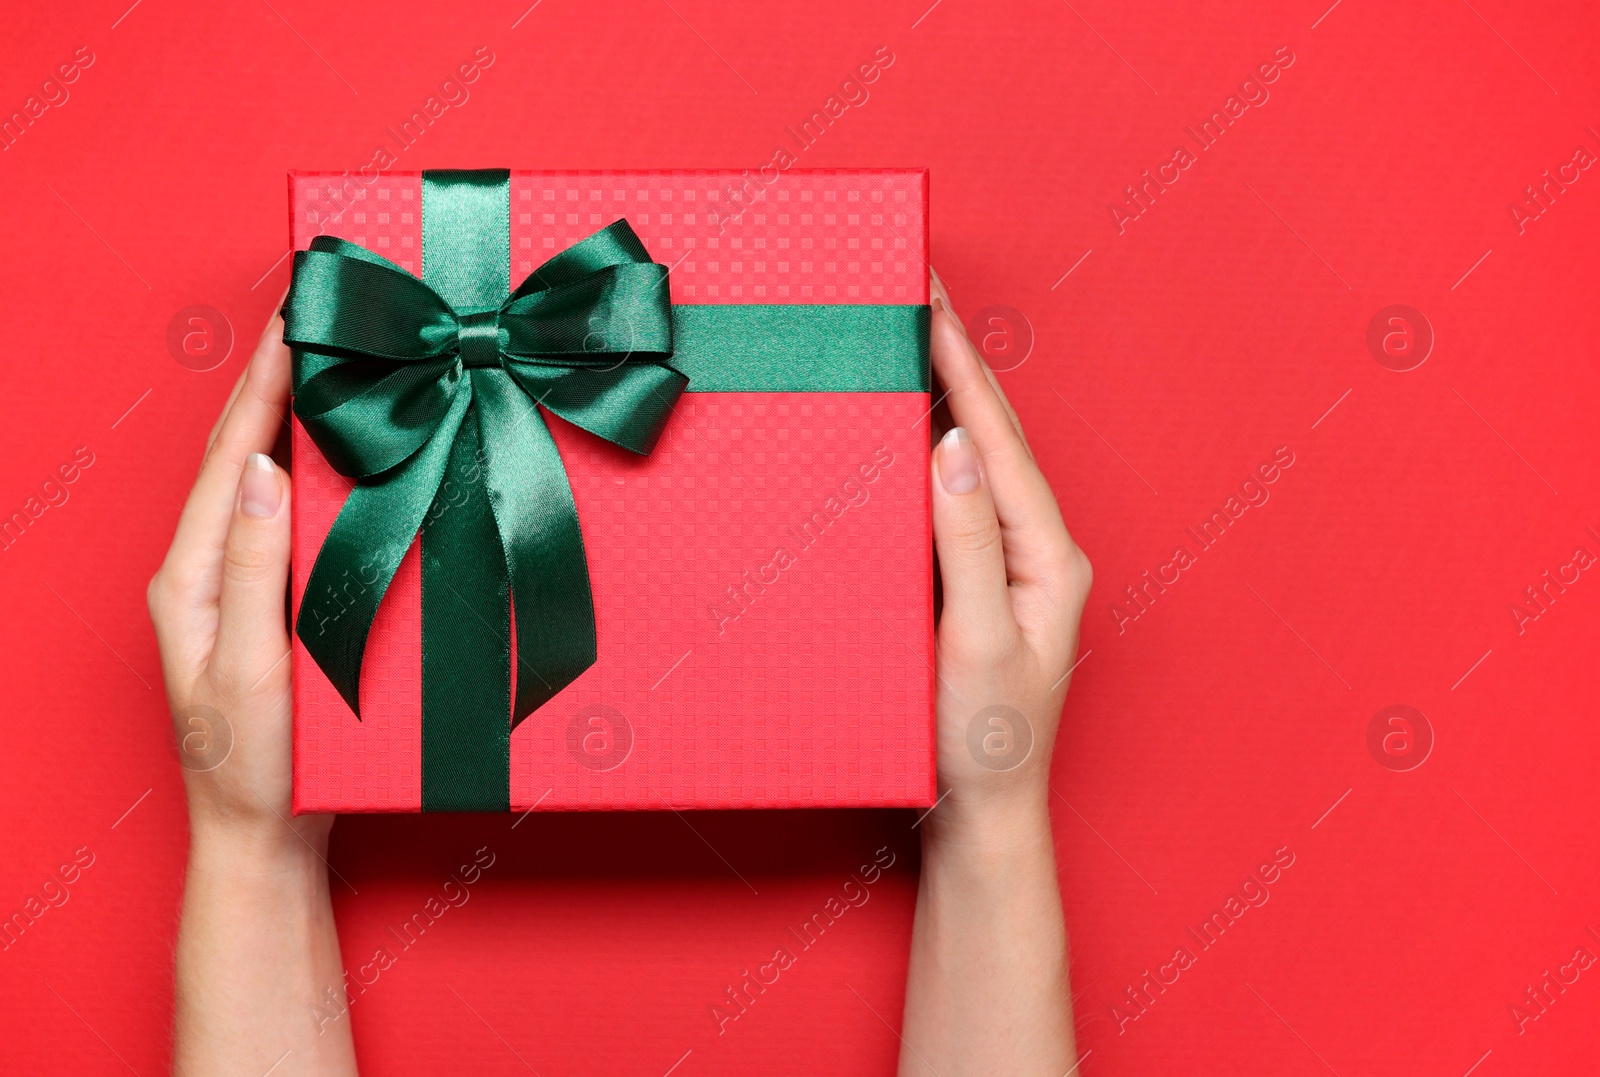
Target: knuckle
161	596
249	562
1079	570
976	534
1068	567
989	650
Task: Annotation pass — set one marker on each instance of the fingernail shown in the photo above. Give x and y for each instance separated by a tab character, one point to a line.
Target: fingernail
260	492
959	469
940	292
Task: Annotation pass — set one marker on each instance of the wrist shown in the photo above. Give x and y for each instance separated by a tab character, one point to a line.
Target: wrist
258	847
990	822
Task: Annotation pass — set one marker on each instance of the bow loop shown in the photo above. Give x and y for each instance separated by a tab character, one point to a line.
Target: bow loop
616	314
614	245
345	299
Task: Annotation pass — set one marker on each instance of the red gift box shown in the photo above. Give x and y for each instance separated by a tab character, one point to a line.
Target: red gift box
762	579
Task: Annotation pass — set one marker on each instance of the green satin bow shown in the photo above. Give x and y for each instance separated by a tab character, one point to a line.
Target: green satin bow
409	396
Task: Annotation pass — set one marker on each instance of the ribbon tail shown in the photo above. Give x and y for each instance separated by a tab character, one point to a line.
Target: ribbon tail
466	646
552	604
361	554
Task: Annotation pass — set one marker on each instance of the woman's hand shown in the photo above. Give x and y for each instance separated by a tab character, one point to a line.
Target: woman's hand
987	991
258	957
1014	588
219	613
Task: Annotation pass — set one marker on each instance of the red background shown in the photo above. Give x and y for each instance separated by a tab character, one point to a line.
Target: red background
1223	724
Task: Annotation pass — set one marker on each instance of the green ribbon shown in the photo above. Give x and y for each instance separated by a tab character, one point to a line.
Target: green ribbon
427	394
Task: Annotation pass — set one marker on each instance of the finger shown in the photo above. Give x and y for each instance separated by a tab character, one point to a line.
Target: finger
227	406
943	295
251	632
1005	401
1036	541
252	424
966	532
939	421
233	395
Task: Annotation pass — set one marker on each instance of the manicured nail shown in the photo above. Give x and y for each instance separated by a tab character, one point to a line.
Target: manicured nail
940	292
260	492
959	469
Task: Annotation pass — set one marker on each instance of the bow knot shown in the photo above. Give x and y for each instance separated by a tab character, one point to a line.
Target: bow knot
479	340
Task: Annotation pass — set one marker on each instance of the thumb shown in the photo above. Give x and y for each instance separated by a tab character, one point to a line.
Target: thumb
251	632
966	531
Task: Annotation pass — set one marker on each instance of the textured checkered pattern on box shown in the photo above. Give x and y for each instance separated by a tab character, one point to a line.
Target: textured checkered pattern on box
762	580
